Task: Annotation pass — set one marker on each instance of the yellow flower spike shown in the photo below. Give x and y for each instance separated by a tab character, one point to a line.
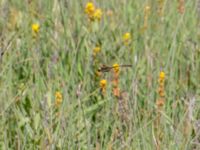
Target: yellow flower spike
116	92
89	8
116	68
162	75
35	27
96	50
92	12
126	38
103	84
98	14
58	97
160	102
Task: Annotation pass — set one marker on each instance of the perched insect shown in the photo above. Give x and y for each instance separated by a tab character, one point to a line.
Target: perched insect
105	68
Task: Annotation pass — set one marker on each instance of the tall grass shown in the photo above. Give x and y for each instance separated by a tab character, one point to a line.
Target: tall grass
60	59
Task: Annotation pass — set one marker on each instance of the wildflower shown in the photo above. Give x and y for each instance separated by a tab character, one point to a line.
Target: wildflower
162	75
116	92
116	68
126	38
89	8
93	12
35	28
161	90
58	97
103	84
96	50
115	81
98	14
160	102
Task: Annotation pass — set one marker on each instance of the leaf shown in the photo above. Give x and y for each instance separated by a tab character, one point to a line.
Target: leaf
95	107
48	96
80	70
36	121
23	121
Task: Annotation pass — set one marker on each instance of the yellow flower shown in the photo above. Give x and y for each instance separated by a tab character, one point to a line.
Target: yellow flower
162	75
58	97
126	38
103	86
96	50
103	83
35	27
97	14
89	8
92	12
116	68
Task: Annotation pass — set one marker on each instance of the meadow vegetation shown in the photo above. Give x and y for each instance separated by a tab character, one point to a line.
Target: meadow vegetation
100	74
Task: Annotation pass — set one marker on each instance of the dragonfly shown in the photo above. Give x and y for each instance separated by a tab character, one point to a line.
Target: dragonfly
105	68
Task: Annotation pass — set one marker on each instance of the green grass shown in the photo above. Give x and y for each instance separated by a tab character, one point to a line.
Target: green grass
61	59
